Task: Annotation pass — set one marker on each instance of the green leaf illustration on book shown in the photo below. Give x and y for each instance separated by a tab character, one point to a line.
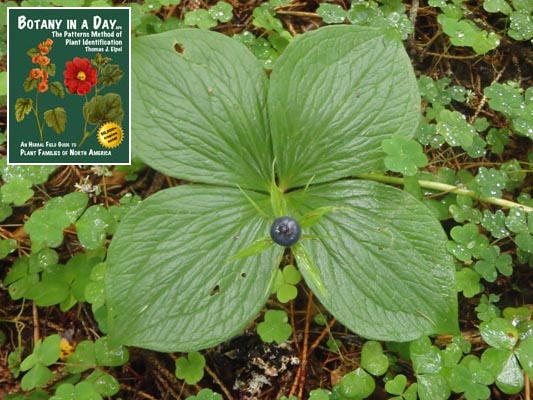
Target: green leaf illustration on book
38	80
81	74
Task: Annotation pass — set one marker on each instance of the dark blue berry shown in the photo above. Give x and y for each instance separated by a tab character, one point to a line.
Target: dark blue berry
285	231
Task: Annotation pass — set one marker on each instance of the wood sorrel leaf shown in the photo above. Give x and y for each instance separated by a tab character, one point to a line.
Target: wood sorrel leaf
334	95
169	286
382	260
198	106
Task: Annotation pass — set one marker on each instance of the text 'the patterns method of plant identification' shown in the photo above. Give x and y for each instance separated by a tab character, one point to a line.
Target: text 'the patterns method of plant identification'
192	265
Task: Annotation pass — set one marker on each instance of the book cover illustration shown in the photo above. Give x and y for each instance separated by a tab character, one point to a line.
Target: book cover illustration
68	85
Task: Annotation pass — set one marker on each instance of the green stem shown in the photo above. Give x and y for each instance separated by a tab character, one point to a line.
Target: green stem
443	187
85	133
36	113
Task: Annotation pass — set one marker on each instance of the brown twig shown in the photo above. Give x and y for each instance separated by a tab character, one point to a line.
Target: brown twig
220	384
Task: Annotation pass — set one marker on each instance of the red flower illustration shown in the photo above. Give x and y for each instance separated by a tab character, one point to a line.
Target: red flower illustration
36	73
43	48
42	86
80	77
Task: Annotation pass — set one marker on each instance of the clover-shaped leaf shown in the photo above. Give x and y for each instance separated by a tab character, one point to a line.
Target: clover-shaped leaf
490	182
455	130
485	309
467	242
7	246
504	368
191	368
285	283
93	226
471	378
16	191
495	223
45	352
46	227
499	333
492	262
200	18
222	11
524	241
331	13
468	282
403	155
275	327
397	386
520	25
357	384
82	390
494	6
103	383
372	358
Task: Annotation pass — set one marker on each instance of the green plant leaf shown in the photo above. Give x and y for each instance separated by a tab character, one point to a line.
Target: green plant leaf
494	6
525	355
275	327
404	155
82	391
220	88
16	191
432	387
191	368
45	353
83	357
329	122
265	17
396	385
93	226
57	89
372	358
166	274
505	369
426	358
222	11
357	384
109	356
200	18
104	109
499	333
111	74
103	383
38	376
331	13
205	394
22	108
7	246
46	227
367	253
56	119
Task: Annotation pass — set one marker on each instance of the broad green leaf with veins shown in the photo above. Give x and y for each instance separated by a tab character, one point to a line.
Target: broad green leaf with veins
191	266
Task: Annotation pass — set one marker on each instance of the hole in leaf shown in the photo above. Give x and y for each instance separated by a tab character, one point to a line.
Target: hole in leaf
214	291
243	275
179	48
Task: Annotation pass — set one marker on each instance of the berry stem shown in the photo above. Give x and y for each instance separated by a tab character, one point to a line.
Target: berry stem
445	188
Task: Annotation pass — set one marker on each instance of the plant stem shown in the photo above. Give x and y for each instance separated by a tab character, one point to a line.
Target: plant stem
85	133
36	112
445	188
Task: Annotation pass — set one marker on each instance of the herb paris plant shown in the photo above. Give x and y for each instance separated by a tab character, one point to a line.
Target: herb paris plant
205	111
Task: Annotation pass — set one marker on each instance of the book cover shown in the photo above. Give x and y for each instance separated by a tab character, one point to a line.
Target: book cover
68	85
